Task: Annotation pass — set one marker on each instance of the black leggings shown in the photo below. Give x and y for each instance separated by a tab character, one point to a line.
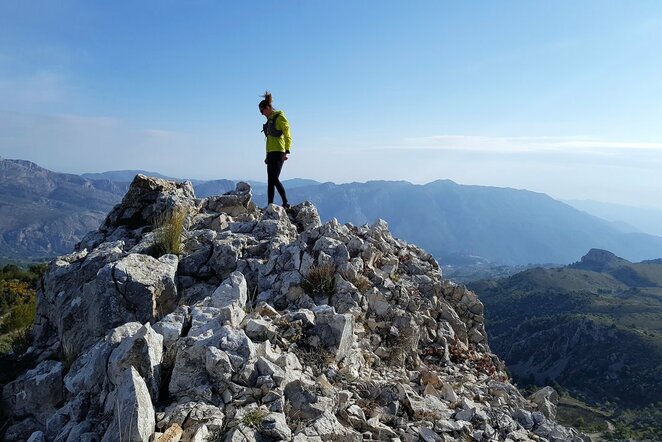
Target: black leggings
274	166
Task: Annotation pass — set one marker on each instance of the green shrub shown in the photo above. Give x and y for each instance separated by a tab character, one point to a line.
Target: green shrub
21	316
253	418
320	280
168	228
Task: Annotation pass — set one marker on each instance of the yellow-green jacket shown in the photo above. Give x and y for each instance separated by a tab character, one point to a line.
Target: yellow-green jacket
284	142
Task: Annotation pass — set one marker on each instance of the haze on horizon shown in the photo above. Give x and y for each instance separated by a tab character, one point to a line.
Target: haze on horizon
555	97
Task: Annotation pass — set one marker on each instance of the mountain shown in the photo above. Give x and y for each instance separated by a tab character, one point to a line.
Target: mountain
43	213
506	226
204	189
123	176
632	218
494	227
594	327
271	327
260	187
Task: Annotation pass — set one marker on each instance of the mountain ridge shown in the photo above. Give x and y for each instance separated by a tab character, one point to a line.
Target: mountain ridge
600	315
348	334
502	225
477	220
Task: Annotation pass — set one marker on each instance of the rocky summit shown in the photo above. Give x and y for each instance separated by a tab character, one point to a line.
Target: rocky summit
266	326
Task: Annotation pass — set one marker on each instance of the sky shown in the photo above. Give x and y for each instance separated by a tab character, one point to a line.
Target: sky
559	97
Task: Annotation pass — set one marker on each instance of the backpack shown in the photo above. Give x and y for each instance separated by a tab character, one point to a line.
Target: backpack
269	128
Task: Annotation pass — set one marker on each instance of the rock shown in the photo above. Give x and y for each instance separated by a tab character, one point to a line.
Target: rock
267	368
259	330
306	217
233	203
524	418
134	415
190	376
172	434
218	365
427	406
35	393
274	425
230	298
135	288
142	351
335	332
546	399
37	436
147	197
242	433
171	328
448	393
306	403
428	435
408	347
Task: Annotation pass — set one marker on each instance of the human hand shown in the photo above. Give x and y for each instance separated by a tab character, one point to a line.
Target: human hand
283	156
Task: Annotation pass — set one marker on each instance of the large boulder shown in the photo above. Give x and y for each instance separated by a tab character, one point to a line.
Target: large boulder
135	288
147	198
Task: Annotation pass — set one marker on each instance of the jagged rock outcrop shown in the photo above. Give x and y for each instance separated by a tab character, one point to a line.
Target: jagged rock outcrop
268	326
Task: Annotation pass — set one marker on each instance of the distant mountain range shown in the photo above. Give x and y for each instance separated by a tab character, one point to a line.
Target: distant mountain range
629	218
43	213
453	221
593	327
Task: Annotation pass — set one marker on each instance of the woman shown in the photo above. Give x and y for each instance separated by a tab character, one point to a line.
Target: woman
277	133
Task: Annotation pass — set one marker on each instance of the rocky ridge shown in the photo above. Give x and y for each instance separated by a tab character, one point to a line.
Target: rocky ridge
268	326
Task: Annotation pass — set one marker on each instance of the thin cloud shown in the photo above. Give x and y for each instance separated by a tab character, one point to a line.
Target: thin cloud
525	144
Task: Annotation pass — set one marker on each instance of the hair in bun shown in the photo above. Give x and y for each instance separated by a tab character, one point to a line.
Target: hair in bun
267	100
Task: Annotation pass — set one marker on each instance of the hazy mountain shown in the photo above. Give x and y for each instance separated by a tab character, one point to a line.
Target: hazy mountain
594	327
504	225
125	176
46	212
204	189
260	187
632	218
43	213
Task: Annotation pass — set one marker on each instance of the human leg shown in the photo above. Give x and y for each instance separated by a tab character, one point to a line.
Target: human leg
274	167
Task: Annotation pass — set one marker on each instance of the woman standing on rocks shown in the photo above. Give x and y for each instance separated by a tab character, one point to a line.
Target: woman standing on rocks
277	133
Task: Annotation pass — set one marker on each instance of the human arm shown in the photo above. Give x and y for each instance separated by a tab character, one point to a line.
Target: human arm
283	125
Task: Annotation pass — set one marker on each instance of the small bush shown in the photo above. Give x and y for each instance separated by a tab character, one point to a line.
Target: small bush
320	280
21	316
253	418
168	228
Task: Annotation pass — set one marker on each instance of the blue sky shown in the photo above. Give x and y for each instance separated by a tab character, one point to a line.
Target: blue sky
558	97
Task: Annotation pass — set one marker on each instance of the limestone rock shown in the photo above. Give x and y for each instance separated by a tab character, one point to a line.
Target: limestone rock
230	298
390	351
142	351
546	399
134	418
35	393
147	197
335	332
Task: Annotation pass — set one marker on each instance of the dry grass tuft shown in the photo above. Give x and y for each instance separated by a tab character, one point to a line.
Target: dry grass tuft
168	228
320	280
